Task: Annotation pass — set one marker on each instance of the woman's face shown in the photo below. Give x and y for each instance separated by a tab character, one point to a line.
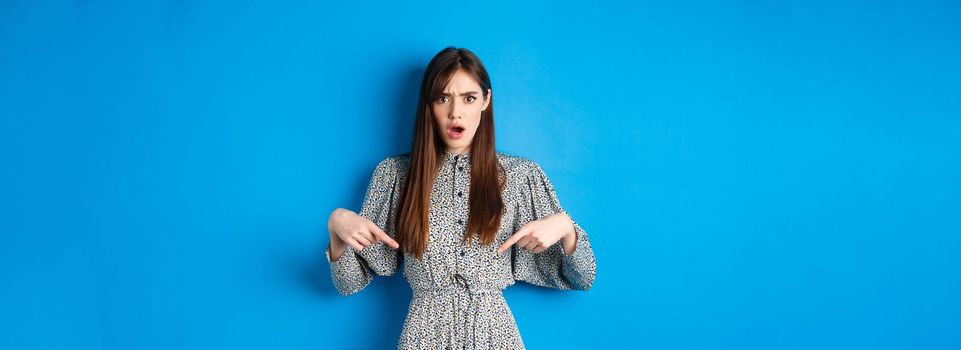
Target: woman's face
458	111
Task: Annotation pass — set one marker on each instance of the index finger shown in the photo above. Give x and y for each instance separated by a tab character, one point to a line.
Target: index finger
380	234
513	239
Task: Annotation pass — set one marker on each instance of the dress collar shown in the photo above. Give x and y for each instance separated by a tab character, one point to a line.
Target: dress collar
450	155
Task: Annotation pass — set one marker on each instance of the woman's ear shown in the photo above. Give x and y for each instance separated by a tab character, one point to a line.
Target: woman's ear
487	99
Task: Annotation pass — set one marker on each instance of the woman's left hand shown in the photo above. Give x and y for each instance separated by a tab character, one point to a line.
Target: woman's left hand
538	235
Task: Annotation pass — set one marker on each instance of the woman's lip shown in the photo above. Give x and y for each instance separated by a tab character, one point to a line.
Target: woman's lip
454	134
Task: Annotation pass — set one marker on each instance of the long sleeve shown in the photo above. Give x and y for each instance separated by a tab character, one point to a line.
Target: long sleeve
354	270
552	267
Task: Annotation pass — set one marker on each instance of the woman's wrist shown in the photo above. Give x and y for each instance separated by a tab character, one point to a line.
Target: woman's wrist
337	246
569	240
336	241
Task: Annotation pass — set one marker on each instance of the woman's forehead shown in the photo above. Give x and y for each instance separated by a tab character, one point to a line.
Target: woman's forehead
462	81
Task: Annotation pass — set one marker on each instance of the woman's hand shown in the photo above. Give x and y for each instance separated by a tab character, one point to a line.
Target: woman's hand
538	235
346	227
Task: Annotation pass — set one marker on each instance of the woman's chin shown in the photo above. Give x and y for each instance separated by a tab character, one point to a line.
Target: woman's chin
456	145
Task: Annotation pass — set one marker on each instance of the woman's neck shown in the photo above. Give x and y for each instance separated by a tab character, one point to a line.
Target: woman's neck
462	151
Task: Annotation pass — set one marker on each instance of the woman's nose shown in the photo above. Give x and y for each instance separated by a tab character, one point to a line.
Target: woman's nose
455	112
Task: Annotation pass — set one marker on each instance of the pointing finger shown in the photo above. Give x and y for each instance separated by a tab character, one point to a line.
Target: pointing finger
517	236
386	239
382	236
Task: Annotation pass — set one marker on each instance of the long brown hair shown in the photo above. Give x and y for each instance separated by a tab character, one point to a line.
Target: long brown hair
427	150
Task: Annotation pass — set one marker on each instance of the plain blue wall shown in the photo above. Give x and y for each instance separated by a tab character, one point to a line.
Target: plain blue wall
752	175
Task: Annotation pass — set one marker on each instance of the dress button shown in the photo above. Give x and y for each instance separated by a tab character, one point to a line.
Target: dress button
461	253
460	193
460	221
460	168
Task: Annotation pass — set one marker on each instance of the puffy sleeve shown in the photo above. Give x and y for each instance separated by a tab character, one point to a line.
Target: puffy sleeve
355	269
552	267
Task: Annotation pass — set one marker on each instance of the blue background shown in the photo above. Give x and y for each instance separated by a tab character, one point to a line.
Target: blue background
753	175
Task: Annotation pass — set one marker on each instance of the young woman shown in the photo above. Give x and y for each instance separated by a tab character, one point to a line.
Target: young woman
468	220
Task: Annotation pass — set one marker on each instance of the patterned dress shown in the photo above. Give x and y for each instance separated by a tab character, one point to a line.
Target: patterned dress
457	301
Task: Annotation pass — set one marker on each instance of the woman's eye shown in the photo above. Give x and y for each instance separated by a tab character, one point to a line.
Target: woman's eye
471	98
442	99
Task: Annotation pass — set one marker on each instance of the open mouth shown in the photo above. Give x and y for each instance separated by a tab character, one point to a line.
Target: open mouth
455	131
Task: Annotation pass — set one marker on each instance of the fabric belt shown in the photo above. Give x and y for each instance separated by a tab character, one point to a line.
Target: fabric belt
459	287
458	283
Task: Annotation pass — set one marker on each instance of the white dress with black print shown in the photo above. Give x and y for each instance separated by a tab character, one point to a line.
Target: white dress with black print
457	301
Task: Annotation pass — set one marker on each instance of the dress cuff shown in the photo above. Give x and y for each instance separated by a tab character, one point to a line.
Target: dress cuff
347	273
579	266
580	245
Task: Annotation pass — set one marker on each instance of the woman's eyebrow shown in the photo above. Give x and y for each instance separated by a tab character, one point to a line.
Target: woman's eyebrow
463	93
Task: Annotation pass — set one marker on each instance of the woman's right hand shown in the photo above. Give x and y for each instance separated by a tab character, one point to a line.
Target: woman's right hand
347	227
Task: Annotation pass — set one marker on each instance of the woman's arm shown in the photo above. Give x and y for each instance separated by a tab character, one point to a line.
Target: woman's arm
559	253
361	245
